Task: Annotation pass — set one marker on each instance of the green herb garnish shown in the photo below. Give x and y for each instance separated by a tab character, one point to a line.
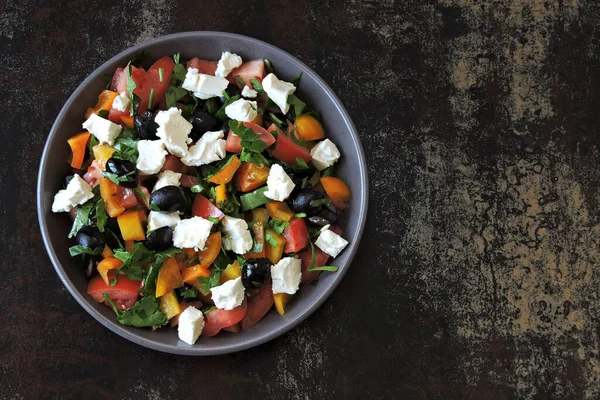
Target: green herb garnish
298	105
130	88
173	95
278	225
140	58
257	86
254	199
161	72
296	80
151	98
78	250
221	113
144	313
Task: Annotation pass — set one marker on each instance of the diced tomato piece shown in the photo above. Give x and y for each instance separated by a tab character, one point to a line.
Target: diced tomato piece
124	293
258	306
126	197
202	207
203	66
120	78
172	163
248	70
188	181
321	259
116	79
218	319
93	174
287	150
115	115
234	142
296	236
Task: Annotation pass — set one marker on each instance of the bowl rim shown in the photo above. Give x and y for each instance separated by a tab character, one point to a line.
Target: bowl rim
112	324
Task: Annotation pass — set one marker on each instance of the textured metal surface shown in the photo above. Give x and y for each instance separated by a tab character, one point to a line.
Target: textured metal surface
478	275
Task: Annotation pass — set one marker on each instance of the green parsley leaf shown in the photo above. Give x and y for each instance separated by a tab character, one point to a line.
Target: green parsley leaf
140	193
221	113
257	86
329	268
298	105
144	313
315	115
226	95
78	250
179	73
213	220
82	217
149	288
133	261
140	58
254	199
177	58
173	95
161	74
313	256
315	283
278	225
127	149
210	282
240	81
268	66
151	98
212	106
188	293
276	121
197	188
270	239
300	215
207	310
100	215
296	80
130	88
222	261
93	142
102	113
321	202
328	171
194	259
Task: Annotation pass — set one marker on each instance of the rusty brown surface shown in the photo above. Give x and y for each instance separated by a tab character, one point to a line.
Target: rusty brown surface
478	274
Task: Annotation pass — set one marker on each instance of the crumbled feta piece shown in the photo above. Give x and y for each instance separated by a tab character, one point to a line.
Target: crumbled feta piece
167	178
278	91
192	232
121	102
236	235
104	130
152	155
330	242
157	220
279	184
286	275
77	192
191	323
174	131
229	295
210	148
204	86
324	154
227	62
247	92
242	110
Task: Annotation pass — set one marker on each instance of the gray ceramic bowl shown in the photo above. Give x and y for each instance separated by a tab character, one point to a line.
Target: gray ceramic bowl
206	45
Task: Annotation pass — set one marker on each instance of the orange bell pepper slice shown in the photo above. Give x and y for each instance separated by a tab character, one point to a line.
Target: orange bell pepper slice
102	153
274	253
130	224
251	176
308	128
225	175
108	192
233	271
281	300
191	274
105	100
260	215
336	188
169	277
78	144
127	121
279	210
169	304
213	248
107	252
106	265
220	194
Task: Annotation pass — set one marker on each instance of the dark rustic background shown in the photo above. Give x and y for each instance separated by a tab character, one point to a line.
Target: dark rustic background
478	274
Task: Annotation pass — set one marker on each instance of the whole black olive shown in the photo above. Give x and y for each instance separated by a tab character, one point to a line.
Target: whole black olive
202	122
256	272
167	199
187	293
90	262
160	239
145	127
90	237
123	168
301	199
324	217
225	126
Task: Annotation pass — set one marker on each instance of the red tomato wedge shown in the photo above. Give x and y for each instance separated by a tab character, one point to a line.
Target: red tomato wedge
114	84
217	319
234	142
321	259
93	174
115	115
202	207
203	66
172	163
126	197
124	293
145	81
258	306
296	236
286	149
248	70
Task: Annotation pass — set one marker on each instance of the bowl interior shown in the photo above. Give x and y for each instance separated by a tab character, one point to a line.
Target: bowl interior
206	45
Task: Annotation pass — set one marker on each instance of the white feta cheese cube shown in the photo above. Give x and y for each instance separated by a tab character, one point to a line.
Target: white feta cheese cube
152	156
242	110
192	233
210	86
167	178
279	184
227	62
157	220
278	91
174	131
330	242
324	154
286	275
121	102
250	93
77	192
104	130
236	236
210	148
229	295
191	323
191	80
